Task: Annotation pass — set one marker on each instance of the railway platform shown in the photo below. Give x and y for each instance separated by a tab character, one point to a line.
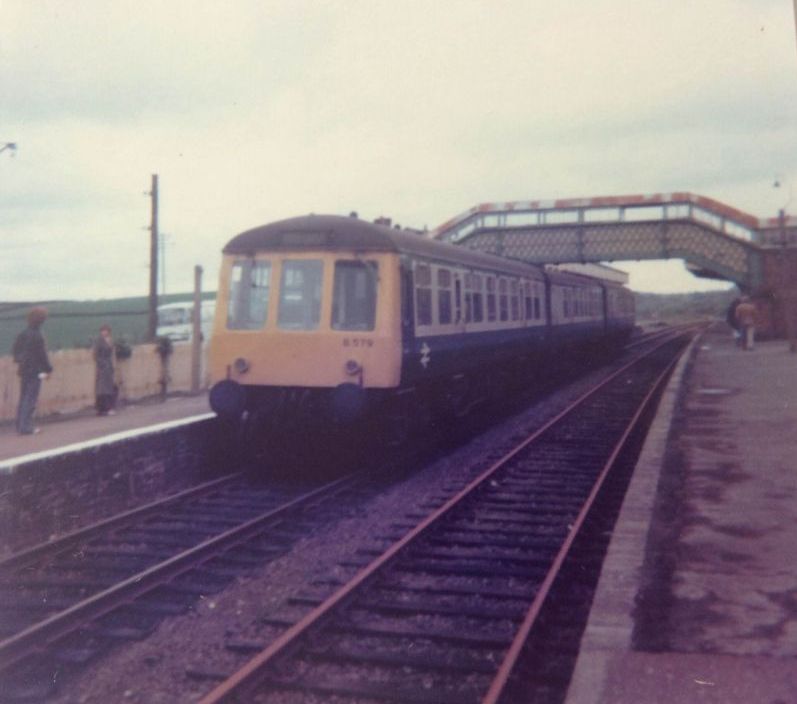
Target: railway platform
58	432
697	599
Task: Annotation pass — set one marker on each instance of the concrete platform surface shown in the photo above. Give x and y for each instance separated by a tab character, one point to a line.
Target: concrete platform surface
674	678
61	431
697	600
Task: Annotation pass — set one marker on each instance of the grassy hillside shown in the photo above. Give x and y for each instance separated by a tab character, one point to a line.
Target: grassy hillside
75	323
680	306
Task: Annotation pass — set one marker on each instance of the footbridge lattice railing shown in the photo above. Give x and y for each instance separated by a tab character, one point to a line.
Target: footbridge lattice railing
709	235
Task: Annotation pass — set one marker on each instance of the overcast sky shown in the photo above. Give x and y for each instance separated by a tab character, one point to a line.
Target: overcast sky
417	110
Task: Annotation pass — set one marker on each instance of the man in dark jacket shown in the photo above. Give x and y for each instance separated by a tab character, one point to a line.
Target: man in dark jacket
30	353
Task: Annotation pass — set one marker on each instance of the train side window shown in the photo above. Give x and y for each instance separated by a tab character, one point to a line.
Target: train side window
528	301
478	298
457	300
537	301
491	309
444	296
423	295
514	300
468	298
250	285
354	295
503	300
300	294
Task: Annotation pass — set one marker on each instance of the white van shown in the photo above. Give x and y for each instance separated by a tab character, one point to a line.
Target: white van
175	320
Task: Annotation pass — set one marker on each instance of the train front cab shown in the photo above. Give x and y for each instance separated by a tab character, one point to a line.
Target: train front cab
305	334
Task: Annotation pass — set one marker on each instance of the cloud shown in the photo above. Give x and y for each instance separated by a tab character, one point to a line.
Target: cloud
127	61
252	111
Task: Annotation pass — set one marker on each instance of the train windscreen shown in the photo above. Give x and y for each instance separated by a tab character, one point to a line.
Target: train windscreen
300	294
249	293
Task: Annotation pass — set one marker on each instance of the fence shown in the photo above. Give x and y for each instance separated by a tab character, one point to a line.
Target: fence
70	387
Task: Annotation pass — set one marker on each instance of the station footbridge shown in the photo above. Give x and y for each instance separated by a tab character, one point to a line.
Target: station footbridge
714	239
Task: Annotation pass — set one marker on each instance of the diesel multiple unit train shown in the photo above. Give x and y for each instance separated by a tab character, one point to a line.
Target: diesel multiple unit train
333	319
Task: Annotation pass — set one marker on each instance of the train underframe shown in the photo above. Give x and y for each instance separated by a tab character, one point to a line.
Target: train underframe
270	420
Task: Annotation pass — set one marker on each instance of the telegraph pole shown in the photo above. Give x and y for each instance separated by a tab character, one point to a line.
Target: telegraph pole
196	335
153	263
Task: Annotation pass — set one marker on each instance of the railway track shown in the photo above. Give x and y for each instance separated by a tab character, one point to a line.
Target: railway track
489	585
66	601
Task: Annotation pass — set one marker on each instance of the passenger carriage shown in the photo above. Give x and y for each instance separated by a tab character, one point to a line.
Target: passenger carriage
332	317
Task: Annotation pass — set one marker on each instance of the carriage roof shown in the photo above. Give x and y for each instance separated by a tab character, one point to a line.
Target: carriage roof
334	232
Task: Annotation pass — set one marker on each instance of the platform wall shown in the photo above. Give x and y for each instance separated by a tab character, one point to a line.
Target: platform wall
53	494
71	385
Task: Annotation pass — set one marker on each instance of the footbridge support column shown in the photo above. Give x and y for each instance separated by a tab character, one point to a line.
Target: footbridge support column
780	291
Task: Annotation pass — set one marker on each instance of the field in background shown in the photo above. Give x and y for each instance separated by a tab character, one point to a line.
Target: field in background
683	306
74	324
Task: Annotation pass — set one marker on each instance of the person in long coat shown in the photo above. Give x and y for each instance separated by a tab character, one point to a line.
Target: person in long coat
30	353
104	386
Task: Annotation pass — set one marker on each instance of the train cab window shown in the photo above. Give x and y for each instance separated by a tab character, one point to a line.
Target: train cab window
250	283
423	295
444	296
300	294
354	295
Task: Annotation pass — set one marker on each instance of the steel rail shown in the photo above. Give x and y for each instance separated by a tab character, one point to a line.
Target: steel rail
514	651
669	333
68	540
38	637
249	675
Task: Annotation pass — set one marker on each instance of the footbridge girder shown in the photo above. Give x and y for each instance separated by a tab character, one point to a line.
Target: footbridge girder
713	238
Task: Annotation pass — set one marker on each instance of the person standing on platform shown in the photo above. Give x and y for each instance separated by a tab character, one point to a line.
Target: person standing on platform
746	317
30	354
733	322
104	387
